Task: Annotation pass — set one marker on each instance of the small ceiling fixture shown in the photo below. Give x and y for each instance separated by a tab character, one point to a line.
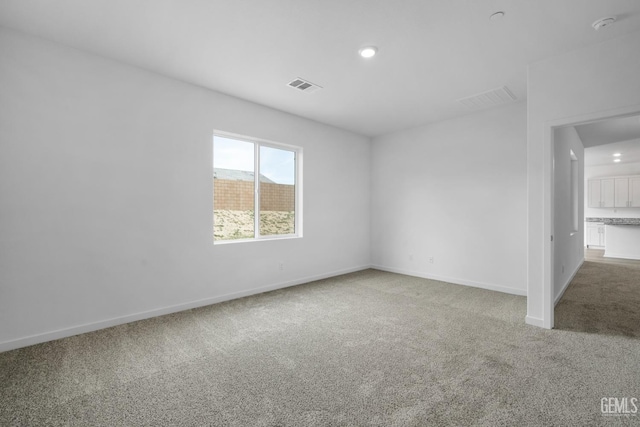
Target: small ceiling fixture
617	154
603	22
617	160
368	51
496	16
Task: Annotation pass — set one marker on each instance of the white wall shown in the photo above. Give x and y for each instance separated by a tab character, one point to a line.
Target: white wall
608	171
568	242
106	195
591	83
455	191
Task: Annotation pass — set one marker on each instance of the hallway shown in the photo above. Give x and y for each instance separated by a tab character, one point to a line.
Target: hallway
603	298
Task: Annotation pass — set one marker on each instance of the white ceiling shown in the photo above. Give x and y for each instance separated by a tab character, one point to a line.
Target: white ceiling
604	138
603	154
431	53
609	131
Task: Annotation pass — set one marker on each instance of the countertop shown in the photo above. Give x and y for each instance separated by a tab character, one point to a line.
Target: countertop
615	221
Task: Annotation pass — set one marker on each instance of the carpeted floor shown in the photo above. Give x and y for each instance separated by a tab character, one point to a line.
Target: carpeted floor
368	348
603	298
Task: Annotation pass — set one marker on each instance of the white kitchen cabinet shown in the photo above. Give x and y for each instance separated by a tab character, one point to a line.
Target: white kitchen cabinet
634	192
595	234
601	193
622	193
627	192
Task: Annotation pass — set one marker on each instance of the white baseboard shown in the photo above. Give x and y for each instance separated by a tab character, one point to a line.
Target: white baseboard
102	324
623	256
453	280
567	283
534	321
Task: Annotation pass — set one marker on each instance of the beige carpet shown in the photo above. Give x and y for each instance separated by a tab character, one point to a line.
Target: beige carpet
369	348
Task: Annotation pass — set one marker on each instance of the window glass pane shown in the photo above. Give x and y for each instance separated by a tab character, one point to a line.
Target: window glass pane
277	191
233	189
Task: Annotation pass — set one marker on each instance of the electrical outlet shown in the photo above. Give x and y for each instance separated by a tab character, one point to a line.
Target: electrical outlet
430	260
281	266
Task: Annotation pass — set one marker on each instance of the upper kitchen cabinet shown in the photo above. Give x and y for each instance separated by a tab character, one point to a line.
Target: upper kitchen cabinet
602	193
622	192
634	192
627	192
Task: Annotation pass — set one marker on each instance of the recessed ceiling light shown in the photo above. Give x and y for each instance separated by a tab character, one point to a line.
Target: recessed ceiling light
496	16
617	154
617	160
368	52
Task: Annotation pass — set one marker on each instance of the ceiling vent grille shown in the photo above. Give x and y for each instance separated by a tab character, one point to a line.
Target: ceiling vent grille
303	85
488	99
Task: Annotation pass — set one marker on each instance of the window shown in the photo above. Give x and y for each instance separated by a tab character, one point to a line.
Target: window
256	189
573	187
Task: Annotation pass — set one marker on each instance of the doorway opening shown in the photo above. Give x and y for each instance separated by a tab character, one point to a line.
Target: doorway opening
599	162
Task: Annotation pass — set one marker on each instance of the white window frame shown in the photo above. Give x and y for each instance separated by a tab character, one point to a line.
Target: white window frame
573	192
257	143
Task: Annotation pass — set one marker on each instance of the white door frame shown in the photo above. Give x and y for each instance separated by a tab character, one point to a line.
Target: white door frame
550	127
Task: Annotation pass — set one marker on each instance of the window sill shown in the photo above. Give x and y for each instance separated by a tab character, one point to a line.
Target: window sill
260	239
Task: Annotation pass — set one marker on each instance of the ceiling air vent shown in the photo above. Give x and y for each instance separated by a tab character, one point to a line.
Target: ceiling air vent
303	85
488	99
